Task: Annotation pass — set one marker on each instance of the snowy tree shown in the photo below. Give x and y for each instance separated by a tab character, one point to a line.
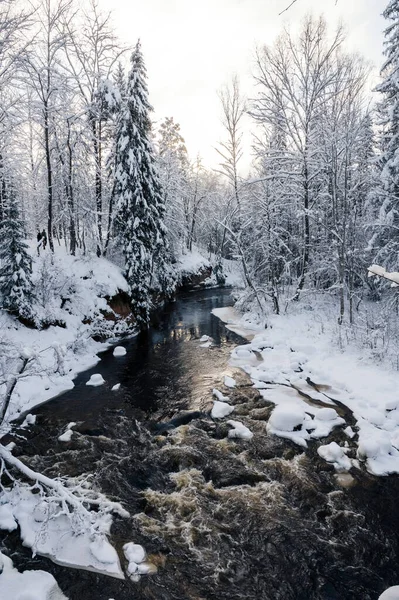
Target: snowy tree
174	174
138	191
385	239
15	262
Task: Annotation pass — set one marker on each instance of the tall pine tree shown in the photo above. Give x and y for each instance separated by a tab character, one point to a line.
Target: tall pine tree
15	263
386	238
140	203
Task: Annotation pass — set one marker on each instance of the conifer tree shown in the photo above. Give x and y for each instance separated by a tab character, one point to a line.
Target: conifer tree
140	203
15	263
385	237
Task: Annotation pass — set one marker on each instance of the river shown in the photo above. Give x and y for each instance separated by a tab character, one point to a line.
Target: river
221	518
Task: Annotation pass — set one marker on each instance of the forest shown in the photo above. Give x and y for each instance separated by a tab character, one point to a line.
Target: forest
317	208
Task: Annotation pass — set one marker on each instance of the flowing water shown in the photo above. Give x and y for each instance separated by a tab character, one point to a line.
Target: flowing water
222	519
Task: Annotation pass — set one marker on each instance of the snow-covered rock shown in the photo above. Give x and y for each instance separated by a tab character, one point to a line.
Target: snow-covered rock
286	417
221	410
335	454
391	593
66	436
229	381
220	396
115	387
134	552
119	351
239	431
96	380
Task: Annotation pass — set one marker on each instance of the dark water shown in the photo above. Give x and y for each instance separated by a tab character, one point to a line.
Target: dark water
222	519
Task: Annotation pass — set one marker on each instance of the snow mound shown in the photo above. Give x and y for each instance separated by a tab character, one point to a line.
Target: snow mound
134	552
286	417
335	454
119	351
96	380
136	557
29	585
239	431
221	410
391	593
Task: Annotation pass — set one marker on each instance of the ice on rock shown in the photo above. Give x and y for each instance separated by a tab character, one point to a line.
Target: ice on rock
115	387
119	351
134	552
391	593
96	380
221	410
335	454
229	381
239	431
220	396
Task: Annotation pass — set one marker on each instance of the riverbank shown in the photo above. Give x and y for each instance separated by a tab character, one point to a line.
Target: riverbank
297	358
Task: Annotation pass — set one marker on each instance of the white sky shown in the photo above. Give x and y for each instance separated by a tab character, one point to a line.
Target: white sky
192	47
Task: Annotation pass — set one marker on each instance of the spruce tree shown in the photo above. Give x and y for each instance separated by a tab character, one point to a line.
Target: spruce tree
15	264
138	191
385	236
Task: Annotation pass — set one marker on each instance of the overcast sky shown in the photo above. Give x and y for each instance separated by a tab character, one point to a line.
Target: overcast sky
192	47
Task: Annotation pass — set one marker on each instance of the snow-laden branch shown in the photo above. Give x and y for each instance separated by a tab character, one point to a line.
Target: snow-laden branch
74	498
377	271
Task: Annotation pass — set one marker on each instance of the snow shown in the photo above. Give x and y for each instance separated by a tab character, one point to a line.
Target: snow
239	431
134	552
191	262
229	381
95	380
207	341
235	322
221	410
335	454
51	533
66	437
136	557
74	292
29	585
391	593
220	396
115	387
7	521
297	348
119	351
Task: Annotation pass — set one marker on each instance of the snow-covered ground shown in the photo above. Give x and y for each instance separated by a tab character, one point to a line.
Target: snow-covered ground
298	348
71	293
30	585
